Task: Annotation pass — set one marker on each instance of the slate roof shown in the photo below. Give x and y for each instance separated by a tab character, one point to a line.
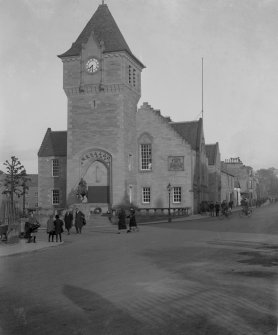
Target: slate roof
104	28
211	151
190	131
53	144
225	169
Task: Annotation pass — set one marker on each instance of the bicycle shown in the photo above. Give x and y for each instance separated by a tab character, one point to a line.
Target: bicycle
245	212
225	213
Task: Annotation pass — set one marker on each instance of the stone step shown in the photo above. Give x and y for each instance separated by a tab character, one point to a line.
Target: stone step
98	220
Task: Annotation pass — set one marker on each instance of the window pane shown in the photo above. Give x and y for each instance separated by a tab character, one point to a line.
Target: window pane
146	195
55	197
177	195
55	168
146	157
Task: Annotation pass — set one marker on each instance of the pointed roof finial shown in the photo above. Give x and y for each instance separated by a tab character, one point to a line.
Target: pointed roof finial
102	2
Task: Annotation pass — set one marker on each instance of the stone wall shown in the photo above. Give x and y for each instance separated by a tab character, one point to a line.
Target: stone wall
165	142
47	183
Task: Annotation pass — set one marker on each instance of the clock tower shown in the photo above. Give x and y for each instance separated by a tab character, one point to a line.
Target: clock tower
102	82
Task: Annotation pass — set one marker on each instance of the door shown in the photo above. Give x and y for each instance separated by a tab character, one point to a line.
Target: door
97	179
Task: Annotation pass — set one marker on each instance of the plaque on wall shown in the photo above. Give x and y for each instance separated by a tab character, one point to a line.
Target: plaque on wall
176	163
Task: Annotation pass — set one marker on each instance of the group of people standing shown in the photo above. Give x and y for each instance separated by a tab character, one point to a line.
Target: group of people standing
224	206
122	226
55	227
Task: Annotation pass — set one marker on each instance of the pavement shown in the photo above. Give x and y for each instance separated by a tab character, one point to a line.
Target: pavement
198	277
21	246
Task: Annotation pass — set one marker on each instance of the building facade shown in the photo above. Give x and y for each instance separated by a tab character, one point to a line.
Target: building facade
245	177
227	185
214	172
121	155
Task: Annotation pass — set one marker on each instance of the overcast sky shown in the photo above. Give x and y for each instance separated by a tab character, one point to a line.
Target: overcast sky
237	38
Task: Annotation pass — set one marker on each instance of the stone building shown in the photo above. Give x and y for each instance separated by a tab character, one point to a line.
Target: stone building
118	154
245	176
214	172
227	184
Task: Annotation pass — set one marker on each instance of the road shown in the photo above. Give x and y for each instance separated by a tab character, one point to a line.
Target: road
208	276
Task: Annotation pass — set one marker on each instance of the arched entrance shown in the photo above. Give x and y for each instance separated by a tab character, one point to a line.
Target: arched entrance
97	179
96	171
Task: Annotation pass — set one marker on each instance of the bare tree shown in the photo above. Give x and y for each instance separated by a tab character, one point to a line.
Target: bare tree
14	180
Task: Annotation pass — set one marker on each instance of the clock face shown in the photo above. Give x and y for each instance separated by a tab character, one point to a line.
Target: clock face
92	65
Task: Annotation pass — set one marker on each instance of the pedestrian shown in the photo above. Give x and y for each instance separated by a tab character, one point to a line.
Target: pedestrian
68	219
224	207
217	209
231	204
32	229
121	220
132	221
58	224
50	228
211	208
79	221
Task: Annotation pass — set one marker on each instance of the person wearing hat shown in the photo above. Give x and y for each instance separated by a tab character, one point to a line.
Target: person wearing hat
58	224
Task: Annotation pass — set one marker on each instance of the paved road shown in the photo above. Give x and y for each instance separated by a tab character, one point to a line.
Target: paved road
209	276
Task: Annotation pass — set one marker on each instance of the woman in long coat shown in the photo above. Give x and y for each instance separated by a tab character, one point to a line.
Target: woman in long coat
68	218
50	228
79	221
132	221
121	220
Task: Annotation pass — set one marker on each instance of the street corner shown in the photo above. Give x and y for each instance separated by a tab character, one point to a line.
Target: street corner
23	247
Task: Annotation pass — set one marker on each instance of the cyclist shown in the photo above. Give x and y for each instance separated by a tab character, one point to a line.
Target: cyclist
245	206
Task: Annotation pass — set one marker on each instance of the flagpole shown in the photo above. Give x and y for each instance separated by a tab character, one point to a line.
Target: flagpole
202	88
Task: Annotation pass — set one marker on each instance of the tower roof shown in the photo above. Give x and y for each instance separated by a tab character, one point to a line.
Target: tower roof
105	29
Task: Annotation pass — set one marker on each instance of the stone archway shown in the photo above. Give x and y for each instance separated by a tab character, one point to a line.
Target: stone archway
97	179
96	171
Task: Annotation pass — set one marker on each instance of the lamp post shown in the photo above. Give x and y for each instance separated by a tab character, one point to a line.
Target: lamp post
169	187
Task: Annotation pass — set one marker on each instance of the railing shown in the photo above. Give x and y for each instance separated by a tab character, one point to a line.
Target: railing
175	211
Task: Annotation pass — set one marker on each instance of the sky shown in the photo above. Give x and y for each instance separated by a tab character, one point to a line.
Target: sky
237	40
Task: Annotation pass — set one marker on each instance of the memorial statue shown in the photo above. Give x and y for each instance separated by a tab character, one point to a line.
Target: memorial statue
82	191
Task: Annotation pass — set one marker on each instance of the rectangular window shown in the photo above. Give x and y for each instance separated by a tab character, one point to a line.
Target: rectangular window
146	157
146	195
55	168
129	74
176	195
134	77
55	197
